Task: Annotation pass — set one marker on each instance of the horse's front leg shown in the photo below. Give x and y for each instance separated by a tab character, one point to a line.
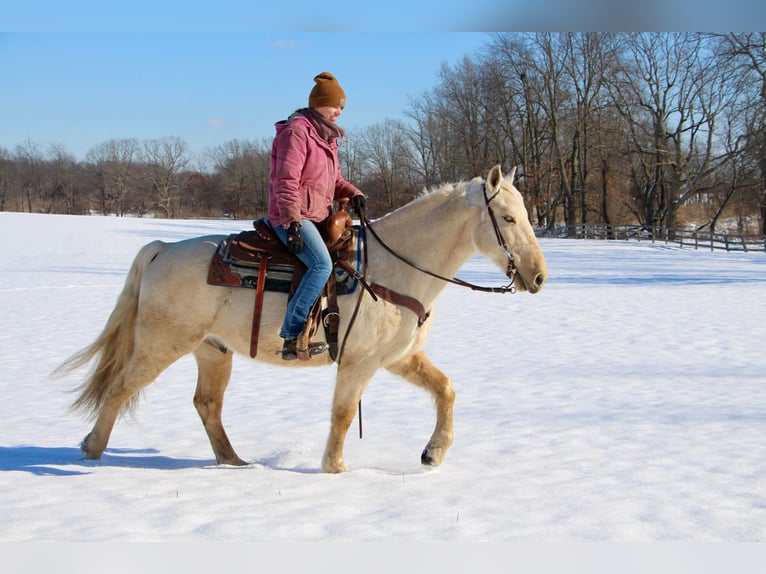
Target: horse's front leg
419	370
350	383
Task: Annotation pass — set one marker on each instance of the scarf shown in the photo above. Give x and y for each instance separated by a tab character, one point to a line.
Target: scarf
326	129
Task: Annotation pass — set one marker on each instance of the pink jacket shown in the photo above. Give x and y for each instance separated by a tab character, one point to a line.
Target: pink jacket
305	174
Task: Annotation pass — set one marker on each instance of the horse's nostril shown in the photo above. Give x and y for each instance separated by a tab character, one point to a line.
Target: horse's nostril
539	279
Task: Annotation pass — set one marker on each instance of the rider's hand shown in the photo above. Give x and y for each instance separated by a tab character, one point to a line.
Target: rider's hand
294	238
360	204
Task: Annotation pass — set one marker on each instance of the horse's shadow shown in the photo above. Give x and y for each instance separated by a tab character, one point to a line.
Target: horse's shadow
69	461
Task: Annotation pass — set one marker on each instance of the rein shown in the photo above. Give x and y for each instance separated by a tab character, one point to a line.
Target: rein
511	270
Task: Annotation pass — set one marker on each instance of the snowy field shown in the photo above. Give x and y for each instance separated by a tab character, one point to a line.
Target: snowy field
624	403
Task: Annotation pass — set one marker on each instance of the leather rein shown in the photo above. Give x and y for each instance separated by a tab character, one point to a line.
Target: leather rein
510	272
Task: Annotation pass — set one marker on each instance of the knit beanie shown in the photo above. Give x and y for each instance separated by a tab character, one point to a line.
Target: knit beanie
326	92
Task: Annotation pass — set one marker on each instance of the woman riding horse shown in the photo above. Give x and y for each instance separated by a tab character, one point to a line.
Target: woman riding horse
305	179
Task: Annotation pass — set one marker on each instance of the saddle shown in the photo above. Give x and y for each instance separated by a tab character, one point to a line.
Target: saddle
258	260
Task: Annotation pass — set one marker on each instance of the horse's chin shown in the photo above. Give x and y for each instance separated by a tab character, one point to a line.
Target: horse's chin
520	284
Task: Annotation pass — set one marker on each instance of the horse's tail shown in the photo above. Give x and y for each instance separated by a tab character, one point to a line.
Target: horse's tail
114	346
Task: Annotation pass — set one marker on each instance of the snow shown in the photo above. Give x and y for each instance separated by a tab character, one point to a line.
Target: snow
623	403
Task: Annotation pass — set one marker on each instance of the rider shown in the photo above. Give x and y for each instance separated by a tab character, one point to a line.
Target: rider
305	179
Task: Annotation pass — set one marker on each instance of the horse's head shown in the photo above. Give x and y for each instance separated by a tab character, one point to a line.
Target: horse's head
504	234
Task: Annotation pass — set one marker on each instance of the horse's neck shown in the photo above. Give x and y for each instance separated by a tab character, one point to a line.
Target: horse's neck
434	232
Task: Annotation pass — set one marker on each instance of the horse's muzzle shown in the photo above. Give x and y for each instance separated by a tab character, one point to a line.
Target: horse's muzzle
535	283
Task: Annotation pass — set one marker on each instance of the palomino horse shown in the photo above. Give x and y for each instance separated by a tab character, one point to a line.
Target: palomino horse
167	310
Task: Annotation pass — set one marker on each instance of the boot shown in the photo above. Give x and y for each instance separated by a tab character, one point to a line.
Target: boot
290	350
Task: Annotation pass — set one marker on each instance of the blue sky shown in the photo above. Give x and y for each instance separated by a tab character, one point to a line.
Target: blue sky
81	72
81	89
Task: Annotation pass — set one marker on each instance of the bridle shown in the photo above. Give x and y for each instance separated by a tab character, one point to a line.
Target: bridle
511	269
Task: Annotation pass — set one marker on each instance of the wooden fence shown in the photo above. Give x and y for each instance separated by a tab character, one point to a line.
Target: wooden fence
681	237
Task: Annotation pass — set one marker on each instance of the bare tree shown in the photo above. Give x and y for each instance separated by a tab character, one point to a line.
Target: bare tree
62	180
520	114
670	95
588	62
387	161
165	159
260	168
29	161
197	192
115	163
243	170
5	176
426	135
448	138
351	158
746	54
554	96
461	107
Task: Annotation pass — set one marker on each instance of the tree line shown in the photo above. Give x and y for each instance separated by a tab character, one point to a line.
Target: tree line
656	129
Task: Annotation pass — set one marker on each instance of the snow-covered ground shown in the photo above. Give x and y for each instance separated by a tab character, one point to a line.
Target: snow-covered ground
626	403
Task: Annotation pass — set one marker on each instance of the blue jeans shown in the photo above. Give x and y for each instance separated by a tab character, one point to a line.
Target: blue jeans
316	257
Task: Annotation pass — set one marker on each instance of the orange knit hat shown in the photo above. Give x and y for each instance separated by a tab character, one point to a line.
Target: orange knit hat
326	92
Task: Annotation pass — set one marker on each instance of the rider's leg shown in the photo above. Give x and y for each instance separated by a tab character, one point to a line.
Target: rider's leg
317	259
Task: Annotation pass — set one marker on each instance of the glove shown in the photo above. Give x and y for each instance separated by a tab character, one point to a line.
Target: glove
294	238
360	203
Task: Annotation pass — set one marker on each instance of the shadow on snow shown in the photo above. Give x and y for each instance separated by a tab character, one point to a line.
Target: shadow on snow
64	461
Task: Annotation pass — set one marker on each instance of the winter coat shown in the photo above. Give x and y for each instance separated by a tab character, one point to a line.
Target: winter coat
305	174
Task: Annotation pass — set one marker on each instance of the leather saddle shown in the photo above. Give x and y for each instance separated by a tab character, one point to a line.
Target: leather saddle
259	260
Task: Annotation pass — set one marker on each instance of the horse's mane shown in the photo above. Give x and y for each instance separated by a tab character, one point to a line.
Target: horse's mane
431	197
444	189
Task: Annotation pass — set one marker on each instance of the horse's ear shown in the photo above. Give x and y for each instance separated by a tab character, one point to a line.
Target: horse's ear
495	177
511	175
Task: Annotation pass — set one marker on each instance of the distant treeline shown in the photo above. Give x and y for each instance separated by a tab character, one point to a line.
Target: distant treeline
613	128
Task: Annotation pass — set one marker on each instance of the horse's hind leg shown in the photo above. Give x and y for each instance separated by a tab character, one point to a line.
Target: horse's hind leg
139	372
214	365
419	370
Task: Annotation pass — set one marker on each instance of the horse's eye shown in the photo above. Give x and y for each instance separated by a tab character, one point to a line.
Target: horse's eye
509	219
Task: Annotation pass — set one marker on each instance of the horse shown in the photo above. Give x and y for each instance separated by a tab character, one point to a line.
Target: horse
167	310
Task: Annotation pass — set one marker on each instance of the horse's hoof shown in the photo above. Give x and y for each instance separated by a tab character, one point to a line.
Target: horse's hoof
426	459
86	450
236	461
334	467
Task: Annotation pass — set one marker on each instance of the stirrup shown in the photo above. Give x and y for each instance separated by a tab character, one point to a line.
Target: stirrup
290	350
